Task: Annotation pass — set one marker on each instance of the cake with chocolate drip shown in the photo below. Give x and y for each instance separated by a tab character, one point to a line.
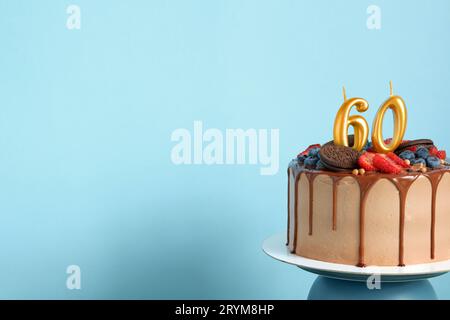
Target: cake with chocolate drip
370	208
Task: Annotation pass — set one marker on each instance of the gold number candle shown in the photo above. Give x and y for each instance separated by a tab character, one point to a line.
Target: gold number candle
397	105
343	120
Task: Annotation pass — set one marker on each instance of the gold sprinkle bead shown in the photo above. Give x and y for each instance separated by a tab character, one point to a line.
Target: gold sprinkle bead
355	172
423	169
442	161
408	163
362	171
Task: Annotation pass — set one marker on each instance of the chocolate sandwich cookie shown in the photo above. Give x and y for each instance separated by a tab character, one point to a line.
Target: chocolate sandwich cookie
339	158
335	169
414	143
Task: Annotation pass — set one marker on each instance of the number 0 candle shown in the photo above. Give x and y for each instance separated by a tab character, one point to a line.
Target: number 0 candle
398	107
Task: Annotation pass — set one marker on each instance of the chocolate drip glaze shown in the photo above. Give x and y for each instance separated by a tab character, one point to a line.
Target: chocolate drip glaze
334	217
311	177
435	180
365	184
297	178
402	182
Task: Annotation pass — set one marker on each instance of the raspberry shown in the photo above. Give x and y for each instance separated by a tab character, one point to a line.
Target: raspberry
397	160
441	154
387	141
383	163
433	150
305	153
365	161
413	148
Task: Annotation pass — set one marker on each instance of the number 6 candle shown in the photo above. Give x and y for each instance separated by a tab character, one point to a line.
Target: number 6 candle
343	120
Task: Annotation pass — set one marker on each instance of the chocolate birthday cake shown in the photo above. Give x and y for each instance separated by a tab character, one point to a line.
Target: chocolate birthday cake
386	203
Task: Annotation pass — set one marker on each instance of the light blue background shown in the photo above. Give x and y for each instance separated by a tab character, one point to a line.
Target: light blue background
86	117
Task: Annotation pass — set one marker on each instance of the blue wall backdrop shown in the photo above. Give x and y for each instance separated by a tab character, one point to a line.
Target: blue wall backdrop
86	117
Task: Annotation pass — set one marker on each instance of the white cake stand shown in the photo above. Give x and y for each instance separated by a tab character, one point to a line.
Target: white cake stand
275	246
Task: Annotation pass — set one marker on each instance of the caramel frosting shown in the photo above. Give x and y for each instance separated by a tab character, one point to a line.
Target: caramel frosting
402	183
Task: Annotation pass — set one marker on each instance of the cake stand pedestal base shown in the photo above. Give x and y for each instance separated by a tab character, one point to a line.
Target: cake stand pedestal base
347	282
325	288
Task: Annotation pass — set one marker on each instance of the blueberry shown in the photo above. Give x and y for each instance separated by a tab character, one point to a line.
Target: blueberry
311	162
418	161
301	159
368	145
407	155
313	152
433	162
422	152
320	166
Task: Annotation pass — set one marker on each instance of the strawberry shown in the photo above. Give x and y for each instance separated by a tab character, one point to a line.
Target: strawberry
433	150
365	161
383	163
441	154
397	160
305	153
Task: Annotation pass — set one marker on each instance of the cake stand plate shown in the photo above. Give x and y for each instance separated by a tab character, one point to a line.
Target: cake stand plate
275	246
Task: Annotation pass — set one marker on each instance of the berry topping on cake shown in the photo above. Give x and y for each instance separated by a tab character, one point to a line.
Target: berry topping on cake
384	164
441	154
433	162
310	162
412	156
313	152
418	161
301	159
433	150
368	146
366	161
397	160
306	152
413	145
407	155
422	152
